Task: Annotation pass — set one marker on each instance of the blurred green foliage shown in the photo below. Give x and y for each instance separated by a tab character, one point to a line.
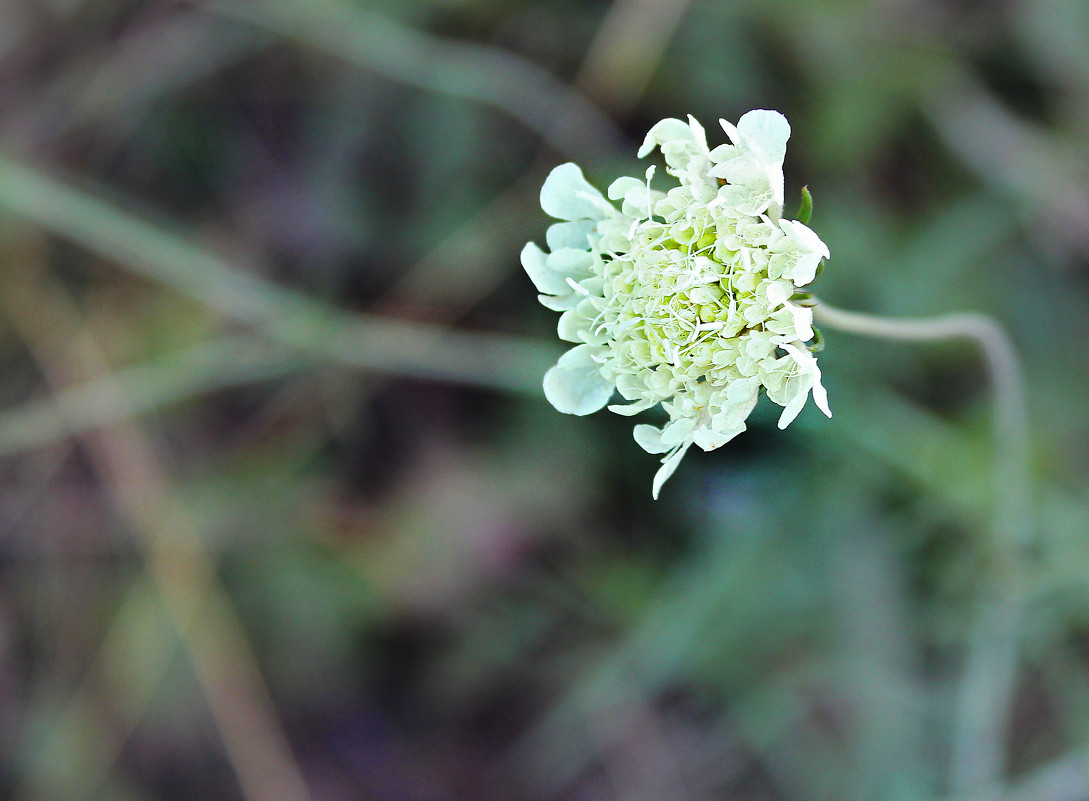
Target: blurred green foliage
284	513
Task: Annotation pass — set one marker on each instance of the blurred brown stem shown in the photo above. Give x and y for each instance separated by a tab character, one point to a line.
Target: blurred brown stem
177	560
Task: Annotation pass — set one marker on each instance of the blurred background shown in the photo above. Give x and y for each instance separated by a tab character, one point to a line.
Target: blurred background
285	515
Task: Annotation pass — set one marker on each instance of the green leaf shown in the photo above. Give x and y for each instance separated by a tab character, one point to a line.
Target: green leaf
806	211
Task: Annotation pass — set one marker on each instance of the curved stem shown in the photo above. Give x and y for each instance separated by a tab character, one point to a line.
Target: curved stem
990	669
1011	439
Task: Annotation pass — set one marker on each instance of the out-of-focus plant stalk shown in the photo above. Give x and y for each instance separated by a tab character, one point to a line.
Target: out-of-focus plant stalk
229	361
177	560
385	345
489	75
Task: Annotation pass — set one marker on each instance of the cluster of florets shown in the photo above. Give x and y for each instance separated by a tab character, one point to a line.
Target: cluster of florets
689	297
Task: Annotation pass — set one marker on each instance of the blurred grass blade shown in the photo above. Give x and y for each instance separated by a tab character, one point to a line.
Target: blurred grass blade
204	368
476	72
495	361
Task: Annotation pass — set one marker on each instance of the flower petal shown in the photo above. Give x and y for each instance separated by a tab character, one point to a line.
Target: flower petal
567	195
803	321
764	134
743	391
575	385
570	262
630	409
560	303
534	262
569	235
677	431
804	237
793	409
621	186
667	468
804	249
820	395
699	135
650	438
571	322
708	439
663	131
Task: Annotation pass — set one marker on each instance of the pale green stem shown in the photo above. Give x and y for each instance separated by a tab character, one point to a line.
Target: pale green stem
990	670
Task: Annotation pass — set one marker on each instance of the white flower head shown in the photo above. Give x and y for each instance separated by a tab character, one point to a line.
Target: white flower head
687	297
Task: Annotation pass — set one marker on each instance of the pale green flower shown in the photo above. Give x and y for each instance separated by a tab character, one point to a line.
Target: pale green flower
687	297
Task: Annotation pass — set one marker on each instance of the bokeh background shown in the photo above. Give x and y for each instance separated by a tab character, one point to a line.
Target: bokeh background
283	511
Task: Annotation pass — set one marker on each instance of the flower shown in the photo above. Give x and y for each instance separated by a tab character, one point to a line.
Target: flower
688	297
